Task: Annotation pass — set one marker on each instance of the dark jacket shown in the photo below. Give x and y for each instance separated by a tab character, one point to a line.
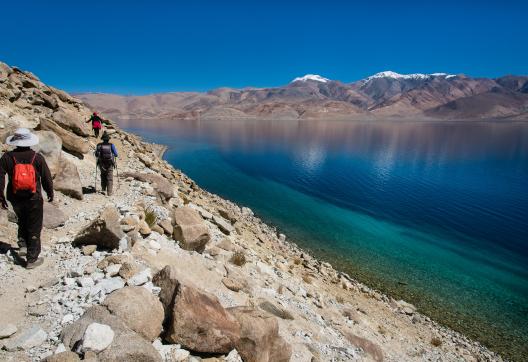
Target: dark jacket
24	155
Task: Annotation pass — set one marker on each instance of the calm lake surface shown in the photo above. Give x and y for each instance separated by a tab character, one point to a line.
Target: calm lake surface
435	213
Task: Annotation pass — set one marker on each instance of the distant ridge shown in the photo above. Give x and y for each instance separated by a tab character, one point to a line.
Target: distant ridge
384	95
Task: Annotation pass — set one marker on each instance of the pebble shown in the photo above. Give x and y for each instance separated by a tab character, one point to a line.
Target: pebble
140	278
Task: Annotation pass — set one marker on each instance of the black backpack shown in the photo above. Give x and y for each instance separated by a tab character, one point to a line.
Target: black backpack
104	154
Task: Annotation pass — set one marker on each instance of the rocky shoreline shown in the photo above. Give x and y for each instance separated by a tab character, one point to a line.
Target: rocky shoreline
166	271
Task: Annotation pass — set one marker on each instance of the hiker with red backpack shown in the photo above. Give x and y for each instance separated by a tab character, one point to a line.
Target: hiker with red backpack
106	154
97	123
27	172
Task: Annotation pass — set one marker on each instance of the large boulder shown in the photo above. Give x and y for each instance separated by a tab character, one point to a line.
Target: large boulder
53	216
190	229
105	231
139	309
162	186
195	319
67	179
69	119
259	336
71	142
126	345
39	98
50	146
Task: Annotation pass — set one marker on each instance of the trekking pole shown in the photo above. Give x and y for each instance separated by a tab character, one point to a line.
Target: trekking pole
95	183
117	170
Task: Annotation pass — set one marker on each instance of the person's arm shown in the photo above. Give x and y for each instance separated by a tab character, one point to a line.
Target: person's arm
3	173
46	179
114	150
89	119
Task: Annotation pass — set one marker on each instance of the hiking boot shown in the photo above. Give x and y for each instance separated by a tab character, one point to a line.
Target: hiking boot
34	264
22	251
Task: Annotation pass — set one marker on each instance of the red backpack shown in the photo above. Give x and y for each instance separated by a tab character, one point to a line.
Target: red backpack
24	176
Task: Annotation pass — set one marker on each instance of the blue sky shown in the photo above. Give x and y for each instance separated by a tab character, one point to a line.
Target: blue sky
136	47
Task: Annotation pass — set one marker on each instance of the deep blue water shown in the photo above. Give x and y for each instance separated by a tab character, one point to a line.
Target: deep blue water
435	213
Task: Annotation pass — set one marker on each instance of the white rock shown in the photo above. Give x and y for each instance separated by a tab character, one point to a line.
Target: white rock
107	286
179	355
140	278
7	330
97	276
233	356
112	269
32	337
69	282
123	244
60	348
68	318
97	337
85	282
153	244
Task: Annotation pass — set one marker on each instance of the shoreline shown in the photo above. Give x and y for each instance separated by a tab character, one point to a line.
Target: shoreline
379	293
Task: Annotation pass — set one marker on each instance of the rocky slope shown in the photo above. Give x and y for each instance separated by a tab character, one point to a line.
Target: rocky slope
165	271
384	95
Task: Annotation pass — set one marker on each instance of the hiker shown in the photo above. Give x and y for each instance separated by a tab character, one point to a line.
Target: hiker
106	153
27	172
97	123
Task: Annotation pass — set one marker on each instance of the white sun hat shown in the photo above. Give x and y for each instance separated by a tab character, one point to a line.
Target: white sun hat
22	138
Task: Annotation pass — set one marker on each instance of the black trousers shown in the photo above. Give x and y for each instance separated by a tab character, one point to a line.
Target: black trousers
96	132
29	213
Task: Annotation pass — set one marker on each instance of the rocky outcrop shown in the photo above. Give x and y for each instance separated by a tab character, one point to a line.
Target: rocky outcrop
50	146
67	179
259	336
139	309
190	229
53	216
195	319
161	185
69	119
105	231
74	144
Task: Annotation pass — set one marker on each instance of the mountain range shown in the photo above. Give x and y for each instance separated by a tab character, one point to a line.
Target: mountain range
385	95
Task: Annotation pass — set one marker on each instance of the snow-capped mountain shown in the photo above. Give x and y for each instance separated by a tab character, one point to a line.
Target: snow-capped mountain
313	77
416	76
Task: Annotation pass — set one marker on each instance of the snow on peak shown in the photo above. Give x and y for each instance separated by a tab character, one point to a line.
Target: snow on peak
314	77
390	74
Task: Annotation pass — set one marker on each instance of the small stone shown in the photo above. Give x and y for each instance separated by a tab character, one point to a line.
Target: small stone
89	249
32	337
179	355
153	244
38	310
97	337
60	348
140	278
68	318
7	330
233	356
107	285
69	282
232	284
85	282
31	288
113	270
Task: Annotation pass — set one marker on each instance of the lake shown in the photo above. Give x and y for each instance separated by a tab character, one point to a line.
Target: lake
435	213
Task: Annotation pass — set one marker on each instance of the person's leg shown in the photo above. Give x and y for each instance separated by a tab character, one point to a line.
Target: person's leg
35	211
96	132
104	175
110	181
22	222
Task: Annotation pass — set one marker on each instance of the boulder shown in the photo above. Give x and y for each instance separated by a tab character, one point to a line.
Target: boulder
39	98
276	310
190	229
126	345
105	231
195	320
71	142
66	356
259	336
7	330
223	224
67	179
69	119
367	346
50	146
128	270
166	225
53	216
162	186
139	309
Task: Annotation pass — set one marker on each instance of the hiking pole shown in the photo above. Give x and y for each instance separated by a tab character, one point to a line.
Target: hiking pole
95	183
117	170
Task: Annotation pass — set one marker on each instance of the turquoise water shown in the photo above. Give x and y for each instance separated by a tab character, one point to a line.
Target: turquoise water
435	213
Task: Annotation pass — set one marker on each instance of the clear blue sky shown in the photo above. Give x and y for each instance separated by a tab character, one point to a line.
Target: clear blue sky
152	46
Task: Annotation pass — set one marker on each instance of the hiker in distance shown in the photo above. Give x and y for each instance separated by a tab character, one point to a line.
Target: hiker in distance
27	172
106	154
97	123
